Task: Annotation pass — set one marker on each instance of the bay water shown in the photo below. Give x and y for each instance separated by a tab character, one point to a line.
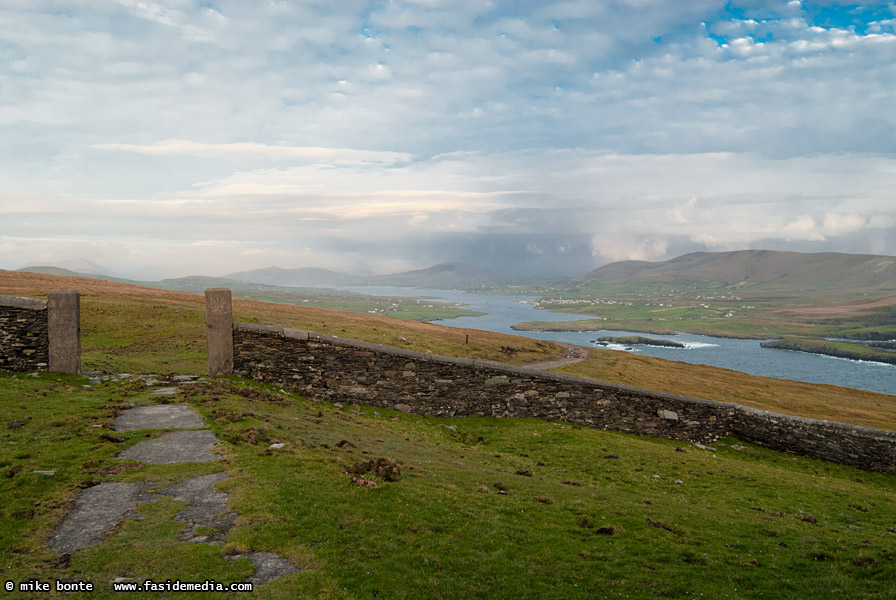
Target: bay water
730	353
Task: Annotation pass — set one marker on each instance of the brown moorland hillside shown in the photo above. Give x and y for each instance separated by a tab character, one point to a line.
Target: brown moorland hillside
121	320
850	273
134	328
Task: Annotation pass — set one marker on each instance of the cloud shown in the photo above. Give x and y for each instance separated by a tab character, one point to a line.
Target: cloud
615	247
242	149
840	224
802	228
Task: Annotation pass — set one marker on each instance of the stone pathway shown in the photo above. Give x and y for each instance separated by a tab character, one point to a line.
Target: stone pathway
100	508
97	510
166	416
206	507
175	447
575	354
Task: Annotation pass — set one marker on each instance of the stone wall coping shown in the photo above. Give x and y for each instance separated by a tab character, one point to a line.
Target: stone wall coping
477	363
457	360
19	302
259	328
869	432
374	347
296	334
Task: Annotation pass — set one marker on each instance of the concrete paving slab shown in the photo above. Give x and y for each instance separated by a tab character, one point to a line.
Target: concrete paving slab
164	391
206	507
165	416
176	447
97	511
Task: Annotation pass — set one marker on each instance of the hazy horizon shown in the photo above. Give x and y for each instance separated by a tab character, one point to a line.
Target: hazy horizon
164	138
91	268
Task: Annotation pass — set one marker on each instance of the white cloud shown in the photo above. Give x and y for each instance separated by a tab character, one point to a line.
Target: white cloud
243	149
615	246
152	11
802	228
839	224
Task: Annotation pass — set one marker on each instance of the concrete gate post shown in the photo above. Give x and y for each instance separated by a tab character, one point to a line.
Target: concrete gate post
219	331
64	330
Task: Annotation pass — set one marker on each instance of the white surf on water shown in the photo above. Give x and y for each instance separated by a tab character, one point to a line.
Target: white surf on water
610	346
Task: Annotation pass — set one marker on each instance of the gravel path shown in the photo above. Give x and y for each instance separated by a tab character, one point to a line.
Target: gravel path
575	354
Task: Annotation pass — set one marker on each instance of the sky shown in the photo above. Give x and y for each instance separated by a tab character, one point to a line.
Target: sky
164	138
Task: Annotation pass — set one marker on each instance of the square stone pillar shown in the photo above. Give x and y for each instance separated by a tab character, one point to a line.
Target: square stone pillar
64	330
219	331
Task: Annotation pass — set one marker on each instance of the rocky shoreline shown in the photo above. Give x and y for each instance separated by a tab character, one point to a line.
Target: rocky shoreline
637	340
849	350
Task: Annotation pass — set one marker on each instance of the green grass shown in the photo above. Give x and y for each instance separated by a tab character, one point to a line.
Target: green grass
583	525
142	338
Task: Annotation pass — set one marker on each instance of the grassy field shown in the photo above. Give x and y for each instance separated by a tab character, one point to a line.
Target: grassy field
485	509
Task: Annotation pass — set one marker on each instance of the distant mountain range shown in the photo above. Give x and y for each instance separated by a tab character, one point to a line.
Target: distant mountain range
52	270
766	269
762	270
441	276
193	283
77	265
295	277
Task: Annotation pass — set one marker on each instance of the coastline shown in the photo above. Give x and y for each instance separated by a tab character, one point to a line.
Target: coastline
824	348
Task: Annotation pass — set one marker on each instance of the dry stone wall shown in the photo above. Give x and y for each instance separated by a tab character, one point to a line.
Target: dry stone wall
332	368
862	447
24	340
